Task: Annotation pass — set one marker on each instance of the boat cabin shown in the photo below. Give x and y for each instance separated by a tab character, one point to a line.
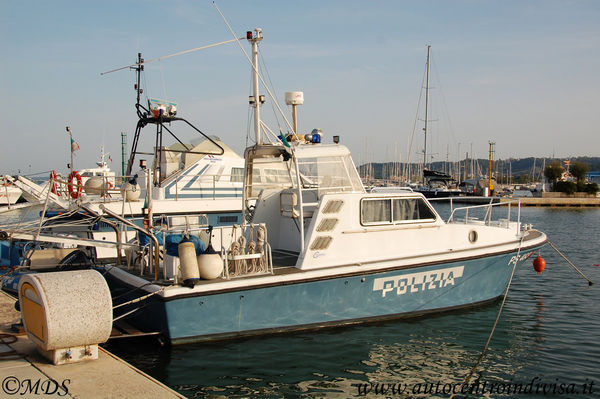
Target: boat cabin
312	201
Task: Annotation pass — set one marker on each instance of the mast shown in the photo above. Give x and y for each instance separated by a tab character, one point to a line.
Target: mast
102	155
491	157
71	168
472	163
426	108
123	152
255	99
158	113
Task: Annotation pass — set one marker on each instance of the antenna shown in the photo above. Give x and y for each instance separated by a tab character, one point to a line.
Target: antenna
141	62
255	67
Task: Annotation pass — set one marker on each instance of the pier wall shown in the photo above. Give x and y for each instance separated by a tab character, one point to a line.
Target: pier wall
586	202
554	194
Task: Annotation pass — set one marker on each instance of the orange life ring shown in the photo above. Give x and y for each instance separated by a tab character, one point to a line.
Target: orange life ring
75	193
53	178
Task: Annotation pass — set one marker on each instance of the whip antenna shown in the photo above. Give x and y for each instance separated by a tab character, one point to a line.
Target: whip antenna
172	55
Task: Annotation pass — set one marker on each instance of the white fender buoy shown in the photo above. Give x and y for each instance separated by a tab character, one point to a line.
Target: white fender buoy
131	192
131	189
188	264
210	263
95	185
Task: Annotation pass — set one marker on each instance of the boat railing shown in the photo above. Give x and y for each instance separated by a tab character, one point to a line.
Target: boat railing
143	255
244	250
63	187
473	214
211	186
215	186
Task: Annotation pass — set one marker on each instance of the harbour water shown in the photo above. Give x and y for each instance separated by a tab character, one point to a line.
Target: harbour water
545	345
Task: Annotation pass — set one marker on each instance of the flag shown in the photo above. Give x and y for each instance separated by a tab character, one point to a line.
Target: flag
74	145
283	139
109	158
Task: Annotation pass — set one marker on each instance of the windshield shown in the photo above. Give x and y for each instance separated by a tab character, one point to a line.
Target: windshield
329	174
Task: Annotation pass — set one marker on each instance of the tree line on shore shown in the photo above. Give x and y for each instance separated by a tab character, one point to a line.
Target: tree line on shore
506	171
561	179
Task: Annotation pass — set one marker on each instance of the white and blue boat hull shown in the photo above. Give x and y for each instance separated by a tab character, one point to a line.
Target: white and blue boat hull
328	301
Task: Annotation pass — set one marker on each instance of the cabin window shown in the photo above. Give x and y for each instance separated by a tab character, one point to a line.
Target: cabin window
376	211
229	219
237	175
219	174
277	176
395	211
411	209
329	174
256	176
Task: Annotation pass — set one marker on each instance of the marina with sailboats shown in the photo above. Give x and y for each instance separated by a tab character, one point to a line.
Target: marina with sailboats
301	181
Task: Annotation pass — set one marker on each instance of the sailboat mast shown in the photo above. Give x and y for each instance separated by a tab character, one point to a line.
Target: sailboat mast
491	157
426	109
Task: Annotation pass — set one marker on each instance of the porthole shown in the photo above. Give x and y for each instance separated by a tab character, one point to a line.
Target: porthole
472	236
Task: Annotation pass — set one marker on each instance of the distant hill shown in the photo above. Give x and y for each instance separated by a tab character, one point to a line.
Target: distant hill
522	169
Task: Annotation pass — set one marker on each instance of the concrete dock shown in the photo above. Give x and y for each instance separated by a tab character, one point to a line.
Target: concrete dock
25	373
544	201
556	202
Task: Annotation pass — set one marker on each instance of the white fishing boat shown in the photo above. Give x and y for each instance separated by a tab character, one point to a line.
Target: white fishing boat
185	183
314	249
198	186
9	194
101	171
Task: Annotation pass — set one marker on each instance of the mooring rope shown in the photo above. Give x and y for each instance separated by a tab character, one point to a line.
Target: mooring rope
127	314
487	344
139	299
8	339
130	291
10	270
590	282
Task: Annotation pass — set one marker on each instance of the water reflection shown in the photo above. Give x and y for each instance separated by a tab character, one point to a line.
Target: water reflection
539	317
334	362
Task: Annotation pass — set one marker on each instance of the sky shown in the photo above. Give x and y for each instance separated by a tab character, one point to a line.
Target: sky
521	73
